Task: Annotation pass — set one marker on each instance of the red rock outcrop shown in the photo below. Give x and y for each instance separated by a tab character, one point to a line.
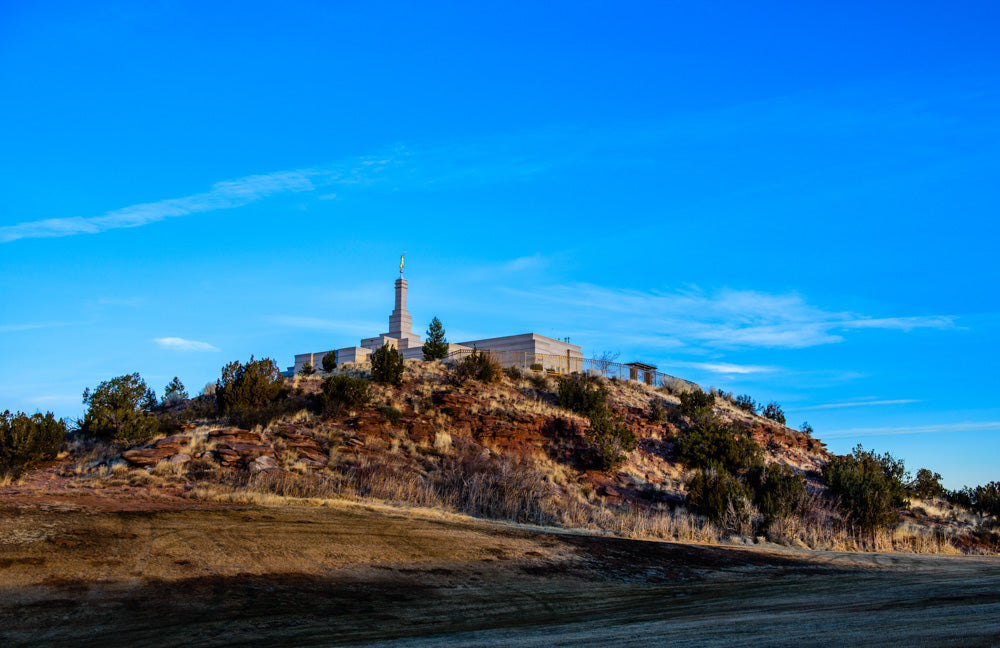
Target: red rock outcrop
157	451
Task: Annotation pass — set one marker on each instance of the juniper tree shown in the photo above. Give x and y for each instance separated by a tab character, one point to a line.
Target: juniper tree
25	440
175	391
387	365
252	385
436	346
118	410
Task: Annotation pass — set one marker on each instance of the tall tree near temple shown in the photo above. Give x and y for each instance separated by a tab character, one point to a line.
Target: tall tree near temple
436	346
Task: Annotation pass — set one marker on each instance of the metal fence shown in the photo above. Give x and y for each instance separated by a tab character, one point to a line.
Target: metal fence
567	364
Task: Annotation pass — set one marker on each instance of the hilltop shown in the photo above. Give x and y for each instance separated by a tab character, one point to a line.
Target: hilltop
501	449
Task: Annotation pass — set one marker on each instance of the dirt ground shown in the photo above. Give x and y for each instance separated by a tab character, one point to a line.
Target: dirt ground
80	573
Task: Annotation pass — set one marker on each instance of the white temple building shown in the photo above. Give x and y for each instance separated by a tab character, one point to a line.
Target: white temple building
526	348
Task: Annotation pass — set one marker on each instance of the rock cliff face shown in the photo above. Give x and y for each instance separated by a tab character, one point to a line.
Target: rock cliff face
232	448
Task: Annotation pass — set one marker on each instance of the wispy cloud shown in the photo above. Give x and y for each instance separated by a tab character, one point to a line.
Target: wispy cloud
223	195
943	428
46	399
726	368
10	328
526	153
180	344
487	160
730	319
864	403
533	262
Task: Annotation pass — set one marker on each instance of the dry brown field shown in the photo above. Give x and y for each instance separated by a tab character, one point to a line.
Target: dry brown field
81	573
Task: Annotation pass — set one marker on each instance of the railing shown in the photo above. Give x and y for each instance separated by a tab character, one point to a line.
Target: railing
557	364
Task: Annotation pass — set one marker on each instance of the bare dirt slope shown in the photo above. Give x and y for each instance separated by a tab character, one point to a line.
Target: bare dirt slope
264	576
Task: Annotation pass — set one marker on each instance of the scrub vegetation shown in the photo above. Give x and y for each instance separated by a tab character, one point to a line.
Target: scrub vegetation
576	451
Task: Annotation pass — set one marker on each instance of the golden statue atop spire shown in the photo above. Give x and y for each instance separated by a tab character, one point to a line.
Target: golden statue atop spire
401	262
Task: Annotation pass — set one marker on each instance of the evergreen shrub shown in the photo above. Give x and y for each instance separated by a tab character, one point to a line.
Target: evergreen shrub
175	392
871	487
746	403
774	412
926	485
436	346
480	366
345	391
610	438
391	414
387	365
727	446
697	404
118	410
254	385
778	490
26	440
716	493
583	396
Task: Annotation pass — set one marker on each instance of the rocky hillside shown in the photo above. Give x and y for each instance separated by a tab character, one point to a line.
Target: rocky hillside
502	449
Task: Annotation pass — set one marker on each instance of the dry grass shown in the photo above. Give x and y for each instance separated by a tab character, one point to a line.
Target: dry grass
165	468
9	479
442	441
467	479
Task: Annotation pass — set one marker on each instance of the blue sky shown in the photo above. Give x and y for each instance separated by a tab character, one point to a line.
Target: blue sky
782	200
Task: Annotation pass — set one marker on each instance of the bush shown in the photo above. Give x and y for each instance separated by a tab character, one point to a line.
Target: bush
697	404
805	428
118	410
387	365
926	485
514	372
329	361
254	385
436	346
778	490
746	403
480	366
307	370
987	499
721	394
984	500
774	412
584	396
657	412
610	438
963	497
718	495
174	392
26	440
727	446
345	391
870	487
391	414
540	382
536	366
